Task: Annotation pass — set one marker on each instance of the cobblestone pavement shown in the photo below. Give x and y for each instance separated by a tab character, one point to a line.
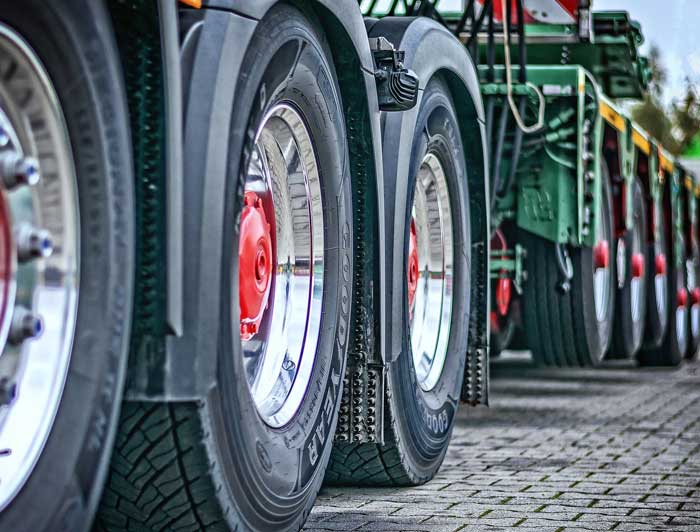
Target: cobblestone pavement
611	449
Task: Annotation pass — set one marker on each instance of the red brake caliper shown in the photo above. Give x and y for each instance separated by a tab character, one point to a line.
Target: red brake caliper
413	266
254	265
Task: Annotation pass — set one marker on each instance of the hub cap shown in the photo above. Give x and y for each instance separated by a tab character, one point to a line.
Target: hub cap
601	268
660	264
430	313
39	259
281	265
694	296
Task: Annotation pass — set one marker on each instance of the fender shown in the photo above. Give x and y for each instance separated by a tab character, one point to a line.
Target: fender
420	38
214	43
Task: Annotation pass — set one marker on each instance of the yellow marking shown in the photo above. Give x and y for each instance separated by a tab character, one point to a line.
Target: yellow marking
612	117
665	162
688	182
193	3
641	142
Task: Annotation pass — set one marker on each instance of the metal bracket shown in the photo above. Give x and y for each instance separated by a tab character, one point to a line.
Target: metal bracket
509	263
397	86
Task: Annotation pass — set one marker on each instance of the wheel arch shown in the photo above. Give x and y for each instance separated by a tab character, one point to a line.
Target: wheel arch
223	33
419	38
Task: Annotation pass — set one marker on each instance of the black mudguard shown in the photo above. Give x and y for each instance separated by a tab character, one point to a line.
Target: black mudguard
213	45
430	48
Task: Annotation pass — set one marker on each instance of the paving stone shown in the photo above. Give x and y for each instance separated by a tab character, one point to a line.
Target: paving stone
615	449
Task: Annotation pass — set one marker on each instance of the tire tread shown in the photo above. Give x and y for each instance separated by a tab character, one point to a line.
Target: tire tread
160	477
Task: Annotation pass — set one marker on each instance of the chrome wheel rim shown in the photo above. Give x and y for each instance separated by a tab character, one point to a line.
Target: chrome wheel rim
660	280
279	349
601	266
637	273
430	309
41	214
691	266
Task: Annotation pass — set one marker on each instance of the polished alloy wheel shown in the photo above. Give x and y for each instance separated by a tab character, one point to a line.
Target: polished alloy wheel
281	265
39	261
692	267
430	272
601	270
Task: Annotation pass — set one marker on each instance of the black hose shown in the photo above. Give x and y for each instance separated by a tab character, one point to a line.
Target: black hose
522	49
491	53
371	7
515	155
498	154
478	23
392	9
463	20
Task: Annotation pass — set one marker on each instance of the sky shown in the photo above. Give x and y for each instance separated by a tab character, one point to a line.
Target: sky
672	25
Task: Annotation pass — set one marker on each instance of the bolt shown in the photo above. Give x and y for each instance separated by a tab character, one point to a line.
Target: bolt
25	325
8	391
16	170
33	243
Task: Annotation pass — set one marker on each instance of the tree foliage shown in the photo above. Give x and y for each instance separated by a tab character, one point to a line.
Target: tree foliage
677	127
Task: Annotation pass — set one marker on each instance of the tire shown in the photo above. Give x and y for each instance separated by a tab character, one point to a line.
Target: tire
675	342
693	276
502	332
562	327
421	406
630	311
658	299
85	200
227	461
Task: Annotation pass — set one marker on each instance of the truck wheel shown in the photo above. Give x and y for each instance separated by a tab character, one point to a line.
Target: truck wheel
571	327
693	276
251	456
66	260
631	304
657	284
502	331
675	341
423	384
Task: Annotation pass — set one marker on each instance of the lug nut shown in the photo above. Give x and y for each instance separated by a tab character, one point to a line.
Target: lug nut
33	243
16	170
25	325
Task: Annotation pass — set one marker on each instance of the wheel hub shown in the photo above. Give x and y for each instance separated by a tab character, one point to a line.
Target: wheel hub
682	298
695	296
413	266
281	265
39	281
601	254
637	266
430	320
660	264
255	265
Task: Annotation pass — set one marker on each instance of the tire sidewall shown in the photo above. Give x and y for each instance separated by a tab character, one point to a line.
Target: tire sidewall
632	332
74	42
598	334
262	466
427	417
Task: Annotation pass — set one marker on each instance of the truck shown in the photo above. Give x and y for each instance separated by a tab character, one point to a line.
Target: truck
251	246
